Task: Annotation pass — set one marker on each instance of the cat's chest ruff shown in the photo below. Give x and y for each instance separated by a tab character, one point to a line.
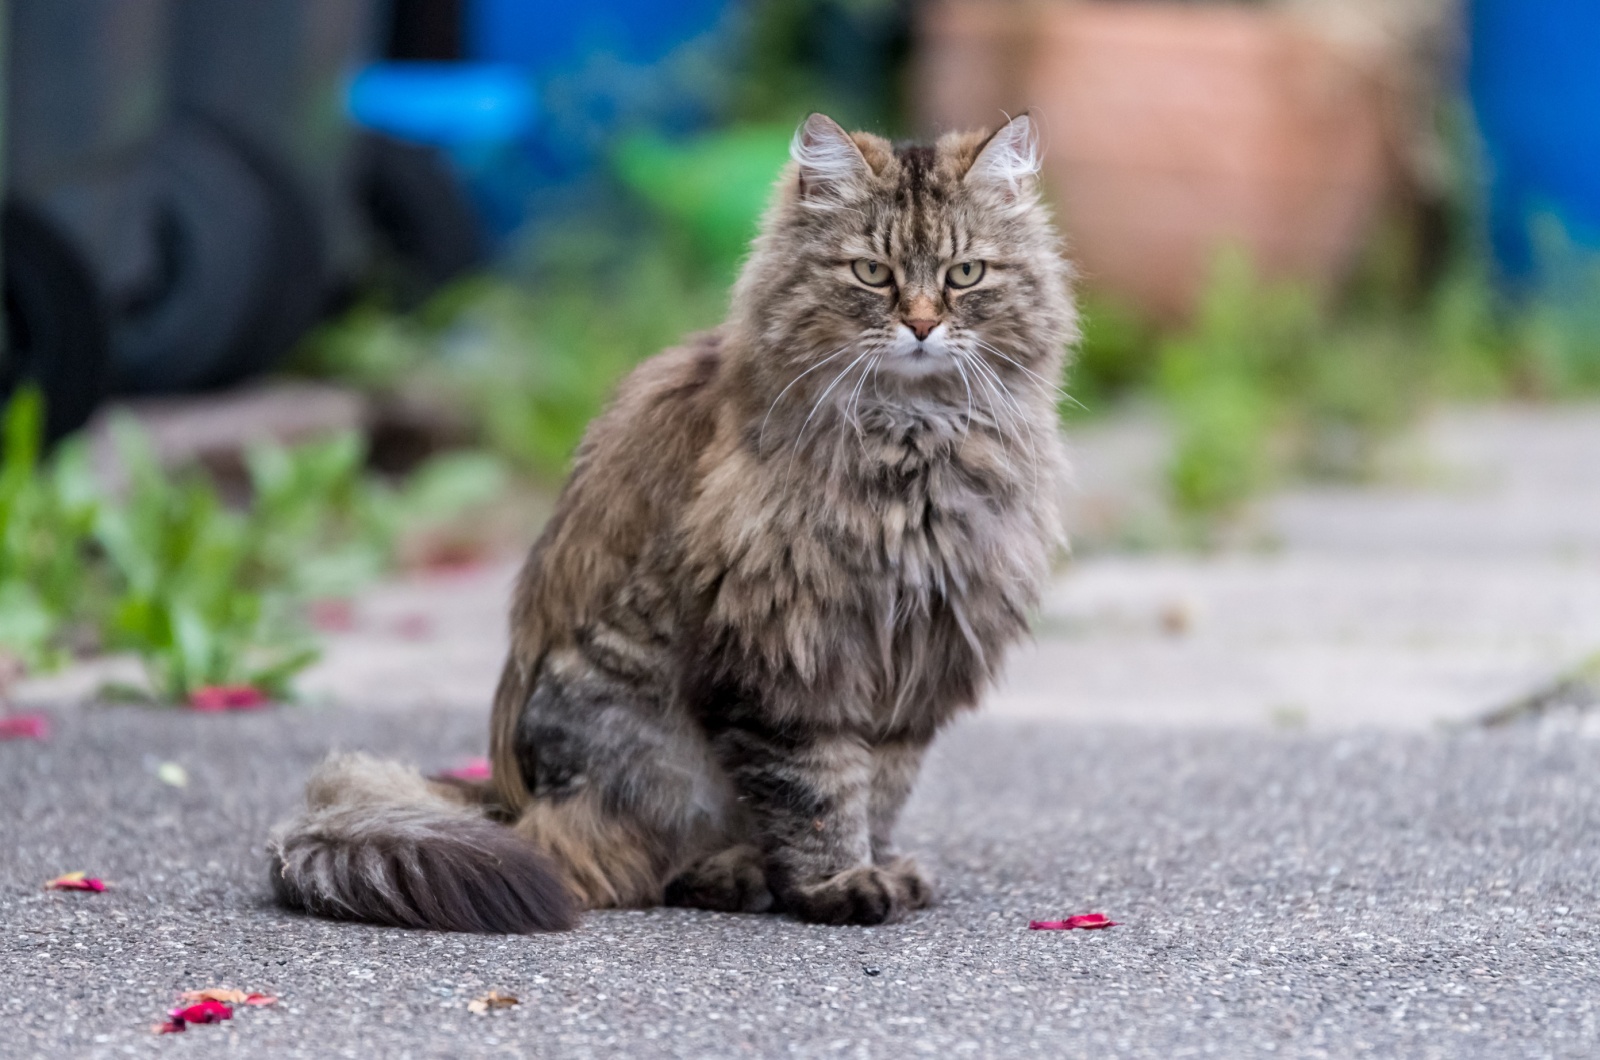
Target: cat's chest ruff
923	525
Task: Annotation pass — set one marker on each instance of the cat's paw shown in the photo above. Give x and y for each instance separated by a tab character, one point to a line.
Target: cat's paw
731	881
916	885
867	894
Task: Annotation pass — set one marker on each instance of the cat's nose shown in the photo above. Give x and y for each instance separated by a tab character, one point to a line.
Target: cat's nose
922	327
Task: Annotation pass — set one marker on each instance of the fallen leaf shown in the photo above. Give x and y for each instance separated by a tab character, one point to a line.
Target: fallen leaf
229	996
471	769
212	699
494	999
25	727
335	615
1086	921
172	773
224	994
75	881
1178	617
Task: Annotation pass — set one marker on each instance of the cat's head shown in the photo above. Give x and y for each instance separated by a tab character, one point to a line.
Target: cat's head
914	259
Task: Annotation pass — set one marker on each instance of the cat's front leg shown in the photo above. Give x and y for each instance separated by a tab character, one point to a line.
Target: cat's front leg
895	765
810	799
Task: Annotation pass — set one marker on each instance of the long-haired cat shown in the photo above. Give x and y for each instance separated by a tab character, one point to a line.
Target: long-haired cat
789	552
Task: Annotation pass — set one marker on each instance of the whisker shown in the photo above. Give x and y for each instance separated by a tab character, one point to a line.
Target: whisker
800	437
998	387
1018	413
1022	367
762	435
1004	427
853	406
966	428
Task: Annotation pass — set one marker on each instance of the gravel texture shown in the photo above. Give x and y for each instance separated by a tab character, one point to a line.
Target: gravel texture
1280	894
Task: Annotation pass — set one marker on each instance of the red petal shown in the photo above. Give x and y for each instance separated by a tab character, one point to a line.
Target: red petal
76	881
1086	921
25	727
471	769
204	1012
451	557
213	698
172	1026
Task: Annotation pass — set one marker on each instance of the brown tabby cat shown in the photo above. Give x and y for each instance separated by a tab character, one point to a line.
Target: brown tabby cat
789	552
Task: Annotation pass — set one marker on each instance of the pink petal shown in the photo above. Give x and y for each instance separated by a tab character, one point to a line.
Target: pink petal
25	727
471	769
213	698
1086	921
203	1012
172	1026
414	627
447	558
260	999
76	881
332	615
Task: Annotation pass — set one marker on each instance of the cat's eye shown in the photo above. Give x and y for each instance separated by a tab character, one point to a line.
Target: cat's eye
965	274
872	273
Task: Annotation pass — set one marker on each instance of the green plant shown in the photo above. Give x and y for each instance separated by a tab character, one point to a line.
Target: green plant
1116	356
212	595
530	364
712	188
47	512
1218	380
193	597
203	592
1266	383
1560	328
316	526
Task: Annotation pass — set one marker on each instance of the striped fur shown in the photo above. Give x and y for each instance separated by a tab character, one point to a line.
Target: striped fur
377	842
789	552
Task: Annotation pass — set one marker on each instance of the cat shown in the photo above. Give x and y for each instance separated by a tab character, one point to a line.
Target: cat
788	553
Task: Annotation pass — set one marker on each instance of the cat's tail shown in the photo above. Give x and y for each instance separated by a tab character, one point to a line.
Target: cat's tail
379	842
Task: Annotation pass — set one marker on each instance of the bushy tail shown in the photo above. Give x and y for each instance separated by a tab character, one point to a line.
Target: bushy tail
378	842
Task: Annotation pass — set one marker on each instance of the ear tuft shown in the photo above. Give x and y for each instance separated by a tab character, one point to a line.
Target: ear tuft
829	160
1010	159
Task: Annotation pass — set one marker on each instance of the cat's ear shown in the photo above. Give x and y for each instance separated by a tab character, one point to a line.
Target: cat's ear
831	164
1008	161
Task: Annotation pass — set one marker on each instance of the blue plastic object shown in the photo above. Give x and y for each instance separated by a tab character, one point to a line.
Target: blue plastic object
504	140
482	115
546	36
445	104
1535	84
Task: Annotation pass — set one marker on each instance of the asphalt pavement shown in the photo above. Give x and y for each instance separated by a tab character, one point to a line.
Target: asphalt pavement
1278	893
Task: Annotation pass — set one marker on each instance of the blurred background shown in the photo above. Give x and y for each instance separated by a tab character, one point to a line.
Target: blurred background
299	293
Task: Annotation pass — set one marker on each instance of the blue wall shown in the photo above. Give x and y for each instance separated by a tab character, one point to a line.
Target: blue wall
1535	84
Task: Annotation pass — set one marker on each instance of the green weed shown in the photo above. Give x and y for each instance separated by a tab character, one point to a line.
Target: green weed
47	513
204	593
1267	384
529	363
190	597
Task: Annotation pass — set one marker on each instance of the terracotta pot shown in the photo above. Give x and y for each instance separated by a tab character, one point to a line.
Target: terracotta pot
1175	130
